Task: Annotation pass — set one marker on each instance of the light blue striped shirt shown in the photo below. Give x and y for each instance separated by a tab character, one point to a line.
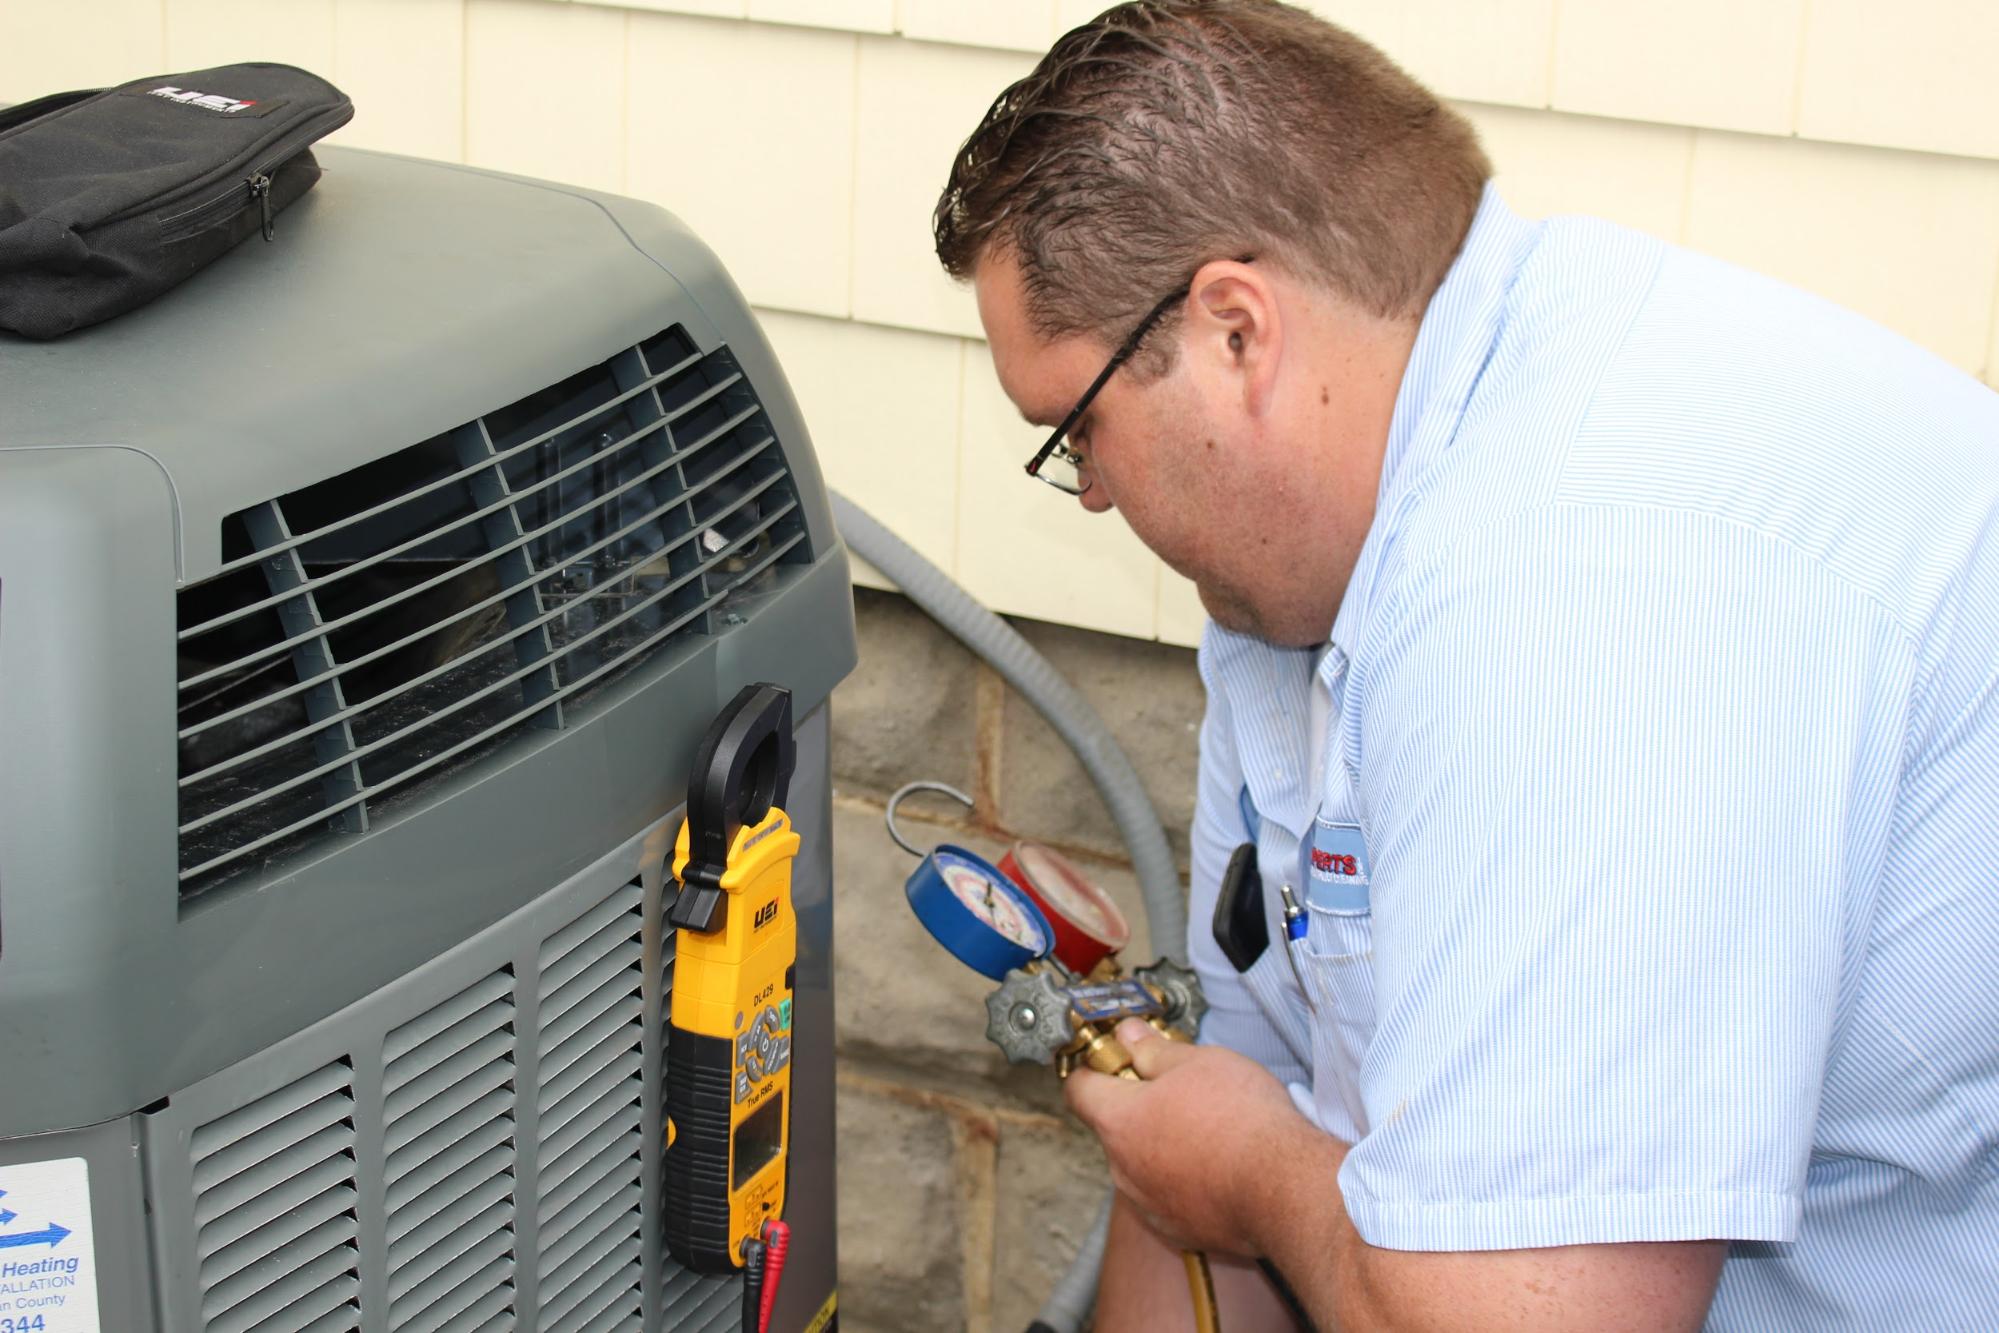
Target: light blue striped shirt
1664	708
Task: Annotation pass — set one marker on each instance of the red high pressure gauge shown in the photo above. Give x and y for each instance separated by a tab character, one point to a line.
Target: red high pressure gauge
1080	920
1088	926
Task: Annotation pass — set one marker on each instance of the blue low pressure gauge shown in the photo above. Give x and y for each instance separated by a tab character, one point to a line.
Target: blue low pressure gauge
977	913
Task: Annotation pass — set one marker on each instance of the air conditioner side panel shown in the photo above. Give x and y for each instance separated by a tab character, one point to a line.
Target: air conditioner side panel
87	822
489	1127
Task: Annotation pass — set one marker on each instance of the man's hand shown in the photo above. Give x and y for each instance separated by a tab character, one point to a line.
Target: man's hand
1211	1152
1200	1145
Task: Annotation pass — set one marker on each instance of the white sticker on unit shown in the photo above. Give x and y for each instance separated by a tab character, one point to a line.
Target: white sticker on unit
48	1266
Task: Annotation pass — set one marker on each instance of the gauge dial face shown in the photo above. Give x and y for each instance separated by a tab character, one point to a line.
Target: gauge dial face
994	906
1062	889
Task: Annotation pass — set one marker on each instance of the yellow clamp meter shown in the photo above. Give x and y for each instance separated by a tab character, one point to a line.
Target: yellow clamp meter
728	1060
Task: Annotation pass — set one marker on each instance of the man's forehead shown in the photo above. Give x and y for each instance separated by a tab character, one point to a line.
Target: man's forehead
1033	371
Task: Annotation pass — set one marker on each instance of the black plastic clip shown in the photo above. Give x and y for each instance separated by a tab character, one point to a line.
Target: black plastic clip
741	769
1240	928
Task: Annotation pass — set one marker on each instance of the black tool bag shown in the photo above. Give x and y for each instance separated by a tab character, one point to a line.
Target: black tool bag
110	197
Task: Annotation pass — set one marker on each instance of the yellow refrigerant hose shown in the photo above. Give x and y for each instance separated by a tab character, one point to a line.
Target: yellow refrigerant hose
1201	1286
1200	1282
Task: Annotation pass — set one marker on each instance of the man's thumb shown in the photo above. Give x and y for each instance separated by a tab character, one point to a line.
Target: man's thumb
1151	1053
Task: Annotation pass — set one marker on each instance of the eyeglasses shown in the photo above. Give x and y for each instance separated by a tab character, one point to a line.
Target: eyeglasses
1055	462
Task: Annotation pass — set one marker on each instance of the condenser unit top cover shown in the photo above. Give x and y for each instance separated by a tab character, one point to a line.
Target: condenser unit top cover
397	300
360	588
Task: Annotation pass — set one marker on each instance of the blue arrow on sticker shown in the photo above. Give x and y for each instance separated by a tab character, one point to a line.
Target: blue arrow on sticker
51	1237
5	1216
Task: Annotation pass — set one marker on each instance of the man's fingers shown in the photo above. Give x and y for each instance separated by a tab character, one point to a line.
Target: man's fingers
1151	1054
1091	1095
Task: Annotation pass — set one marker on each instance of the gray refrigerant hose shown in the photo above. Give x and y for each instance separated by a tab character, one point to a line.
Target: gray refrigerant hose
1036	680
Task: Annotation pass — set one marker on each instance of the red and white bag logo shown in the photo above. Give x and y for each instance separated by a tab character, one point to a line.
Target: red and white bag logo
228	106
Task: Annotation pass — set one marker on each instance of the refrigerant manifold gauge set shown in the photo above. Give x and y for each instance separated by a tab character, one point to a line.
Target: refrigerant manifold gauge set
1050	937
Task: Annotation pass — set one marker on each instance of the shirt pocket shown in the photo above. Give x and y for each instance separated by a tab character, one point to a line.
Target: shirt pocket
1336	968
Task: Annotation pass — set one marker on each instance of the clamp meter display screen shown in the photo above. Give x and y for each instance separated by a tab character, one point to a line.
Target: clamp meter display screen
996	909
758	1139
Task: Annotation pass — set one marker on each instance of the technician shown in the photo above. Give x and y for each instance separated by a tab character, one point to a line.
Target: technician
1605	650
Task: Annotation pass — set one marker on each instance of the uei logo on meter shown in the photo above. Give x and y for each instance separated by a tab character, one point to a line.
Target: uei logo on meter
728	1063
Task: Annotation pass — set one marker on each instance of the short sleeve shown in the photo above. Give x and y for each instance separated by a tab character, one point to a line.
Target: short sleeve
1612	762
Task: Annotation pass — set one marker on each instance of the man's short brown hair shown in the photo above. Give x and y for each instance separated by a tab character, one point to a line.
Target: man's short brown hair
1167	133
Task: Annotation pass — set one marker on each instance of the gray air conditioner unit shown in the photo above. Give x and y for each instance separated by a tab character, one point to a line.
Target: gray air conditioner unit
362	603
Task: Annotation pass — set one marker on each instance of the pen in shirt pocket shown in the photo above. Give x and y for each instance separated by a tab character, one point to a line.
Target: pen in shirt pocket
1295	924
1295	921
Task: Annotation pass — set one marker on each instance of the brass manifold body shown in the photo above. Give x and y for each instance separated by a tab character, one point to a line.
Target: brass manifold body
1045	1014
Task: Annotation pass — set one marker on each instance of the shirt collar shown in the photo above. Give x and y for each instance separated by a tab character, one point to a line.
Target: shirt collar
1454	344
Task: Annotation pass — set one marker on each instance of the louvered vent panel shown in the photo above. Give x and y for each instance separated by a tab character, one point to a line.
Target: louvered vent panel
372	633
276	1237
589	1053
448	1132
692	1301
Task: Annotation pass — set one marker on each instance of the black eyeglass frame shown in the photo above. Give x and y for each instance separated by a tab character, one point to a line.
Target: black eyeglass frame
1056	444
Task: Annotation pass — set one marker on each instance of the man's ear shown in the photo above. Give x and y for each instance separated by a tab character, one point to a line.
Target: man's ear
1234	330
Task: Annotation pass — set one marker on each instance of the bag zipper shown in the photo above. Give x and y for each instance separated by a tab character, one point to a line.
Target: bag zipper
190	220
260	190
193	218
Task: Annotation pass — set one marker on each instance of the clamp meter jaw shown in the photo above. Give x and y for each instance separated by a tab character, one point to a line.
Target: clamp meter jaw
735	946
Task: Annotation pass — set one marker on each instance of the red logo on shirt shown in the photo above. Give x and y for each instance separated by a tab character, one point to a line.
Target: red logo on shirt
1328	863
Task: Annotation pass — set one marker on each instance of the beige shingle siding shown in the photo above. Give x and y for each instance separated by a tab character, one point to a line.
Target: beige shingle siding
1844	145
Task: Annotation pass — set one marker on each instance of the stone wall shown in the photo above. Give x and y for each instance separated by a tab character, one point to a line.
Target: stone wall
965	1187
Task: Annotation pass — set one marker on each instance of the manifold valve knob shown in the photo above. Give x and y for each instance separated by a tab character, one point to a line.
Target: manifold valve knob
1179	991
1028	1017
